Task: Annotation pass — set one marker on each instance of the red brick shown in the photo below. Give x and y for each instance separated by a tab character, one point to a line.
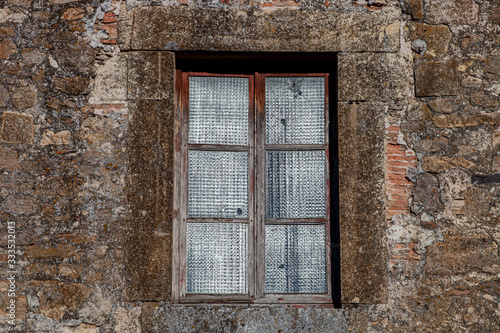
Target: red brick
397	187
396	169
397	197
397	158
397	178
401	203
395	147
398	208
396	153
109	17
108	105
397	163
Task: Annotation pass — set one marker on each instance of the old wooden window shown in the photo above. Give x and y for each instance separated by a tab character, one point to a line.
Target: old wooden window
252	189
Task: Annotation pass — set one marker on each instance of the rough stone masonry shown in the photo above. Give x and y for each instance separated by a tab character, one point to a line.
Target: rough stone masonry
86	160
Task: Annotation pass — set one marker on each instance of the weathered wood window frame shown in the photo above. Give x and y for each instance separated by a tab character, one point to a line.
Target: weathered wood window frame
256	220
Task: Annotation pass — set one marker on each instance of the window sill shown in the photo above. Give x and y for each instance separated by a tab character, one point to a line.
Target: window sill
271	300
258	305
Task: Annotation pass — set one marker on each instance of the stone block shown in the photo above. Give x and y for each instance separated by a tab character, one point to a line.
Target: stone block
428	145
20	204
483	100
11	16
71	271
436	37
33	57
437	164
17	128
471	82
372	77
162	317
8	159
426	195
458	255
478	202
492	65
444	105
494	15
41	252
40	270
128	320
7	31
451	121
77	238
24	97
57	298
183	28
151	75
415	8
60	2
73	14
362	202
72	86
4	96
78	55
59	138
111	81
7	48
434	78
451	12
82	328
22	3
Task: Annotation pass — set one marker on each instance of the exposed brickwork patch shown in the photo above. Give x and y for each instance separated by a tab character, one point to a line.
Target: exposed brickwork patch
399	159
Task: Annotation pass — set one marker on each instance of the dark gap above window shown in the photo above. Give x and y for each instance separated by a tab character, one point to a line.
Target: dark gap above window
251	62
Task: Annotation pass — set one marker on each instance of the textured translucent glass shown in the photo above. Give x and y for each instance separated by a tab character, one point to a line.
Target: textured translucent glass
295	110
218	184
216	258
295	259
295	184
218	110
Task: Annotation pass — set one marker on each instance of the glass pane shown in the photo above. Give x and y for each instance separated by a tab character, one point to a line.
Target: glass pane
218	184
216	258
295	110
295	259
218	110
295	184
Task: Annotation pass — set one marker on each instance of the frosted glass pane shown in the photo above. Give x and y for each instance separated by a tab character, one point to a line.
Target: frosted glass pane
216	258
295	259
295	184
295	110
218	184
218	110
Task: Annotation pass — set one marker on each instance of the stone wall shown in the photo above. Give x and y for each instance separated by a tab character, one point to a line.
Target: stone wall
74	143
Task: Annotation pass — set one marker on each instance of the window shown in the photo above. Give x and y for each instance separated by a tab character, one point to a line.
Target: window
253	188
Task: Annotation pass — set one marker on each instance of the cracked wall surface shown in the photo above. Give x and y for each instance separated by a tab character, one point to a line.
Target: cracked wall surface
82	82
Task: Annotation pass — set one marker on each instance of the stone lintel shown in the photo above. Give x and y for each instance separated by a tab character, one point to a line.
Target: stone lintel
259	30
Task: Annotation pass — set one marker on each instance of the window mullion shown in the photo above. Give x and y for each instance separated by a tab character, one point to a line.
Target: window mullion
260	125
251	253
